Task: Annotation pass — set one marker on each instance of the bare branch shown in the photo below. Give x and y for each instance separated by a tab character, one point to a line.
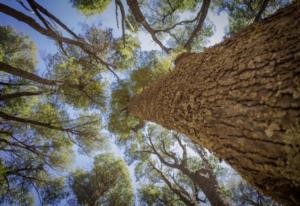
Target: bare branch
201	18
123	16
139	17
19	94
51	16
26	75
117	15
177	191
261	10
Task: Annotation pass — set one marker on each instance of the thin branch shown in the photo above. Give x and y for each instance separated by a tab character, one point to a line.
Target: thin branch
12	84
19	94
261	10
123	16
116	13
169	154
37	123
201	18
26	75
183	147
139	17
177	191
53	35
37	13
51	16
23	5
38	193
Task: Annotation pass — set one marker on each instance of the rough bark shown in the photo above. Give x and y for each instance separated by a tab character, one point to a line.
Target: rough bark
241	100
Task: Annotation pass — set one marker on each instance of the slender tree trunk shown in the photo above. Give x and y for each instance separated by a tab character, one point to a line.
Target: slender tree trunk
19	94
241	100
25	75
32	122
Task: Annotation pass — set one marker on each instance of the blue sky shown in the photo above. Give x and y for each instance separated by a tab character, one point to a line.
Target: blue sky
74	19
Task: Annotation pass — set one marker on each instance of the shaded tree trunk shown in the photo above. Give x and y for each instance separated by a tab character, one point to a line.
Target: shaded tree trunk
208	185
9	117
19	94
241	100
25	75
204	177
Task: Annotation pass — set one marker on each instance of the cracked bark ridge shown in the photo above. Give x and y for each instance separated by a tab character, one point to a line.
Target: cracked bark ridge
241	100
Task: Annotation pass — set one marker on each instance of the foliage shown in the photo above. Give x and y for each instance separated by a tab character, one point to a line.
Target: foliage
17	50
107	184
36	132
151	68
158	195
243	194
124	55
90	7
164	161
80	88
242	13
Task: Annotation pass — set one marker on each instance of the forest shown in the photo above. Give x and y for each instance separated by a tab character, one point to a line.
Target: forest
150	102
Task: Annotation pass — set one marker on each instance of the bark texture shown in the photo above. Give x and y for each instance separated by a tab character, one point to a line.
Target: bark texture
241	100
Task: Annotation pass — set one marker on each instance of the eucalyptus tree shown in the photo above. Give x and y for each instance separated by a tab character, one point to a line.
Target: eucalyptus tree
229	104
239	99
185	170
108	183
36	132
229	101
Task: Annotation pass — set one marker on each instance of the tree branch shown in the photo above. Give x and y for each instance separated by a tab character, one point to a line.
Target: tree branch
54	35
19	94
139	17
26	75
177	191
201	18
261	10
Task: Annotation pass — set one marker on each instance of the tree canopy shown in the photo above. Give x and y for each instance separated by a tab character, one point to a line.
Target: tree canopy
107	184
80	102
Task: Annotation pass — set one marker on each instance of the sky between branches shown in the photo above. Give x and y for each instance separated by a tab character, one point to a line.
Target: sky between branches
75	20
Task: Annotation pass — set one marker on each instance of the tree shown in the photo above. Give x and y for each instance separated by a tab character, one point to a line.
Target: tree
243	194
36	134
242	13
108	183
91	7
242	104
170	161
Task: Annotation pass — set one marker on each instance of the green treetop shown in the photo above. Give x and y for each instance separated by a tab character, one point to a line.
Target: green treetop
108	183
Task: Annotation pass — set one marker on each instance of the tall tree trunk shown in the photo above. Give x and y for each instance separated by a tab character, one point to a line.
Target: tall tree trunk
241	100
